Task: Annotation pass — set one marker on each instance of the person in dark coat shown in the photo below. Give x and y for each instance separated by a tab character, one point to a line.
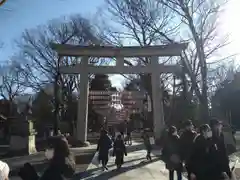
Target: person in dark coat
113	134
147	144
186	143
163	138
202	163
129	137
171	154
220	153
104	145
119	150
61	165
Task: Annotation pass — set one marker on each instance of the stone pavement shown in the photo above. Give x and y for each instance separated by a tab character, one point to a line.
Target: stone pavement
83	156
135	167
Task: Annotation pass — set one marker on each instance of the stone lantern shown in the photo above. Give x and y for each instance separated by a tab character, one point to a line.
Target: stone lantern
22	140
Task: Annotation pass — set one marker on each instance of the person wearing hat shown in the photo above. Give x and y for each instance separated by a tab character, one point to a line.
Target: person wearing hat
186	143
220	151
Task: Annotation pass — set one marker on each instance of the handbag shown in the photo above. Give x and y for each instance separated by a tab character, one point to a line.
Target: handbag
28	172
95	160
233	174
152	140
175	159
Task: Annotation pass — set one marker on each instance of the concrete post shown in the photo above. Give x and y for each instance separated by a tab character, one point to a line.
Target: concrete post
158	114
82	118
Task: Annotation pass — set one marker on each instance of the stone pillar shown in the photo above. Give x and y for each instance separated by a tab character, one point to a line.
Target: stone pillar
158	114
82	118
22	140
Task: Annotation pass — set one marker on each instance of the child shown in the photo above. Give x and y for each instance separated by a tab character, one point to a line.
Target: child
119	151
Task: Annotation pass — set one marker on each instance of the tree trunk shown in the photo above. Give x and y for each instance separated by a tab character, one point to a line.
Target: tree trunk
202	60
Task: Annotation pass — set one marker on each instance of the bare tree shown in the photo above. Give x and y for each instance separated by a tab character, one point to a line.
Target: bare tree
41	63
200	20
10	86
133	22
224	73
149	22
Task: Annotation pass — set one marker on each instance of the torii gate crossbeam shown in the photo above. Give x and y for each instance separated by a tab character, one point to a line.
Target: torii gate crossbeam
154	68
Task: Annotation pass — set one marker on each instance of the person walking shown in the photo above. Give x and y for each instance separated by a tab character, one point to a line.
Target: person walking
113	134
104	145
186	143
119	150
220	153
122	134
147	144
171	154
202	163
129	137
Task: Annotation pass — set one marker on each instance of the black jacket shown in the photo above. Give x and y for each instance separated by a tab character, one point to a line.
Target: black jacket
221	154
119	148
170	148
59	169
209	159
202	161
186	144
104	144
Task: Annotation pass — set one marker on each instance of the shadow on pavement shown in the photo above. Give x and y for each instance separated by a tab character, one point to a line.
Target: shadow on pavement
82	160
90	172
115	172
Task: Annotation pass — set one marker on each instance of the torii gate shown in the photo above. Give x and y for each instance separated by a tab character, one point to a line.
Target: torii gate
153	68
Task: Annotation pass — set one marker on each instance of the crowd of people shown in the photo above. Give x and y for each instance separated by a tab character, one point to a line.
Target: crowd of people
202	154
105	143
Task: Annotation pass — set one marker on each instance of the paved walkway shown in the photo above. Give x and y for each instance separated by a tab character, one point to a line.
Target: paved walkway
83	156
136	167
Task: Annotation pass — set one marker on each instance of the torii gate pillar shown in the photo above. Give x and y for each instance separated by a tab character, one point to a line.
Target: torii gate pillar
82	116
154	68
158	113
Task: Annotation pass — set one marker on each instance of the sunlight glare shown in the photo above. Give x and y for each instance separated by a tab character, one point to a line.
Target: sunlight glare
231	25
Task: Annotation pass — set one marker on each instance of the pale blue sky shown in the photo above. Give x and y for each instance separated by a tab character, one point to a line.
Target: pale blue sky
18	15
